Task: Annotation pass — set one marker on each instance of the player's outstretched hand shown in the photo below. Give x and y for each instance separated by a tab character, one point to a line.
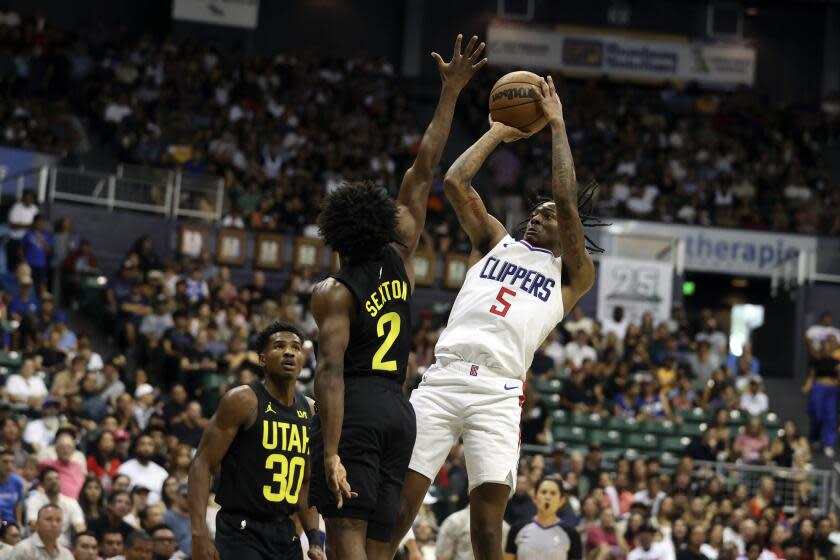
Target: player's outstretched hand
548	99
463	66
316	553
337	481
509	133
203	548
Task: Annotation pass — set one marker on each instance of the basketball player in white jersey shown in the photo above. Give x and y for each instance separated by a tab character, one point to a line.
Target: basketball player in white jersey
511	299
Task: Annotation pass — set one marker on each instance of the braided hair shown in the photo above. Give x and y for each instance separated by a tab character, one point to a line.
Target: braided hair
584	203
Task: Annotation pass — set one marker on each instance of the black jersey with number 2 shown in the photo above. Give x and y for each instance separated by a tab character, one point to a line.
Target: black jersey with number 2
262	472
380	334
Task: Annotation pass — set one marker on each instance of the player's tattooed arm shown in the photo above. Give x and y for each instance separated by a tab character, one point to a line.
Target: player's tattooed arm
483	229
577	261
414	191
332	306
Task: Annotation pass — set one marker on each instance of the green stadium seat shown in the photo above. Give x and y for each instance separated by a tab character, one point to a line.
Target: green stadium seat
771	421
691	429
560	417
695	415
737	418
569	435
551	402
674	444
548	386
11	360
669	460
622	424
589	421
658	427
642	442
606	438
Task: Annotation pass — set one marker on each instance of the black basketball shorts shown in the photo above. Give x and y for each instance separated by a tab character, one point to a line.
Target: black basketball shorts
239	537
377	439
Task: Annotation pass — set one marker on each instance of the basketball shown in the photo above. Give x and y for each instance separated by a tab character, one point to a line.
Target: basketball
512	101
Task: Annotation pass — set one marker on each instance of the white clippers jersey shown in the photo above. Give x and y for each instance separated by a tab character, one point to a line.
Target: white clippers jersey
510	301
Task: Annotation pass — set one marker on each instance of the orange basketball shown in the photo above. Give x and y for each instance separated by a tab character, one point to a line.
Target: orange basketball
513	103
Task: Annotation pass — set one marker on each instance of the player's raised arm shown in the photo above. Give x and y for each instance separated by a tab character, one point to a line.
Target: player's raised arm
484	230
577	261
332	306
237	408
414	191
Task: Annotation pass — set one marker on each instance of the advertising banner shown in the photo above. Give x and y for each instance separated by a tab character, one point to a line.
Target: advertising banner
608	53
708	249
637	285
235	13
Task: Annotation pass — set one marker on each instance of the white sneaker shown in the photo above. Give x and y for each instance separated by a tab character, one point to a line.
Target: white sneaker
829	452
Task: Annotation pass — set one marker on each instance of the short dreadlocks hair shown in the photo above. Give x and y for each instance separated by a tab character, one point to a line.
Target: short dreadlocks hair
358	220
272	329
584	201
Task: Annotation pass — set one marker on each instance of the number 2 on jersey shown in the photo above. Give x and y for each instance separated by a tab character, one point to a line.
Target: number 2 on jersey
500	297
393	321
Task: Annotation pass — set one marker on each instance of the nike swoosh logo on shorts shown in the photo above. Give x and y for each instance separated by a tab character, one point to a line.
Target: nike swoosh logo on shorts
509	388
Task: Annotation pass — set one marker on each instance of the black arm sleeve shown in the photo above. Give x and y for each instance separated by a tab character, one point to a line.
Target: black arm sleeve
510	546
575	548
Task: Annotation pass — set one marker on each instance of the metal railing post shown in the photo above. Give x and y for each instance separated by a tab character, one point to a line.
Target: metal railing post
43	177
52	182
176	195
20	184
112	191
220	198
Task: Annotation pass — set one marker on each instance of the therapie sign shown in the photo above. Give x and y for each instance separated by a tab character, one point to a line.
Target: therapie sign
724	251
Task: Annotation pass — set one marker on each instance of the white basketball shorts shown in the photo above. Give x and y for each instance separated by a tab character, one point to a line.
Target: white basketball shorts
462	400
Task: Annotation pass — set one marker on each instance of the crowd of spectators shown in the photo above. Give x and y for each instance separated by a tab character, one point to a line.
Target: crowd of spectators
678	155
97	438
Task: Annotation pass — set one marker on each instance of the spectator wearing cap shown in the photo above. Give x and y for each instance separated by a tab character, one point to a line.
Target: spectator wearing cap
26	387
139	504
545	536
142	470
47	542
37	245
144	396
754	401
119	506
50	493
11	488
40	433
177	518
647	548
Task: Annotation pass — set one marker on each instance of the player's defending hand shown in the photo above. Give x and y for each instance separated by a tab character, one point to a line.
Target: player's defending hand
509	133
203	548
550	101
463	66
337	480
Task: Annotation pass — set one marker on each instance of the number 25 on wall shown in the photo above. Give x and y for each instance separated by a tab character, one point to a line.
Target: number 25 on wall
500	297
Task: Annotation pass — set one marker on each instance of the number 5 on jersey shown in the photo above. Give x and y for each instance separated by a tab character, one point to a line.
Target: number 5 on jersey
502	310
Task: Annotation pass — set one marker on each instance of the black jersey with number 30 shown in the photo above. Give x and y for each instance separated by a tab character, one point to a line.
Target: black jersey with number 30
380	334
262	472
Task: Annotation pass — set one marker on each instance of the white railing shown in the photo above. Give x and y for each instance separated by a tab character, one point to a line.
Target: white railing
171	194
799	269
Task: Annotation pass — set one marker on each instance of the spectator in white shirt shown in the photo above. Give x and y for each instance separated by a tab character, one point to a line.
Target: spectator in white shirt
618	323
41	432
453	541
143	471
73	517
579	322
718	341
26	387
754	401
817	334
648	549
579	350
21	216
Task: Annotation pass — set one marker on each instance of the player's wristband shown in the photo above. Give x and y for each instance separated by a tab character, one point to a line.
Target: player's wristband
314	537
